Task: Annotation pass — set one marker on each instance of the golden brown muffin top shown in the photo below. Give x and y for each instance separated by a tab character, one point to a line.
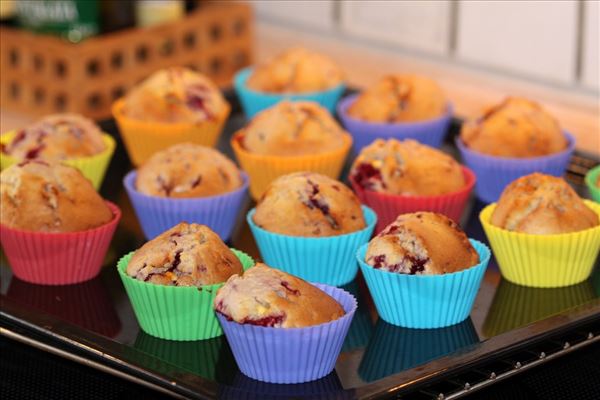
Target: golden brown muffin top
421	243
517	128
57	137
400	98
309	204
50	197
292	129
406	168
185	255
266	296
296	70
543	205
176	95
188	170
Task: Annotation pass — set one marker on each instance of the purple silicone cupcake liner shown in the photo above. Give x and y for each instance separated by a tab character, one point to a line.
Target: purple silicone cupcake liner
431	132
290	355
158	214
495	173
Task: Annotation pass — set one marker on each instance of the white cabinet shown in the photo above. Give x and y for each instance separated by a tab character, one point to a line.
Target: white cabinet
531	38
415	25
317	14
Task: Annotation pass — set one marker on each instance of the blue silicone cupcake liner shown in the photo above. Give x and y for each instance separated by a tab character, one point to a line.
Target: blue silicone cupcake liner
393	349
329	260
425	301
495	173
253	102
158	214
430	132
290	355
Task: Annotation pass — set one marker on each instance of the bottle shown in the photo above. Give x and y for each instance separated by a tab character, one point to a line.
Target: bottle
8	12
116	15
155	12
73	20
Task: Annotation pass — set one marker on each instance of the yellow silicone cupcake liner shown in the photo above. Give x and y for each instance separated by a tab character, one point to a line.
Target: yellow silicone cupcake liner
263	169
143	138
543	260
92	167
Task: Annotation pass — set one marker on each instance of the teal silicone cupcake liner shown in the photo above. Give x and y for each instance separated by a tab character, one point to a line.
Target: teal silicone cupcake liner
254	102
425	301
329	260
591	179
175	313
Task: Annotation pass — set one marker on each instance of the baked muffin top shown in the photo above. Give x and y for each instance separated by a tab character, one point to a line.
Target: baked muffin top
296	70
517	128
421	243
309	204
406	168
188	170
50	197
269	297
400	98
185	255
542	204
176	95
57	137
292	129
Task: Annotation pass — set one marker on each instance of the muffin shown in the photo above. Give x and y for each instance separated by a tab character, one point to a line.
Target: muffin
542	205
49	197
422	243
296	70
188	170
515	128
185	255
265	296
175	95
57	137
292	129
309	204
400	98
406	168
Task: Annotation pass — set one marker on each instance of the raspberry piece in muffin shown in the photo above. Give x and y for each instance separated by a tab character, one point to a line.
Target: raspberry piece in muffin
421	243
265	296
185	255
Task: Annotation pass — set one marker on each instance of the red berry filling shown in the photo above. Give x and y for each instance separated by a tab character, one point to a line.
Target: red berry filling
365	175
287	286
268	321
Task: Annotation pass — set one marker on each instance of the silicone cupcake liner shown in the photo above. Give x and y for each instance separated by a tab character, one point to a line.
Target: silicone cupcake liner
590	179
86	304
199	357
290	355
93	167
263	169
430	132
515	306
58	258
425	301
253	102
393	349
389	206
158	214
329	260
172	312
244	388
543	260
495	173
144	138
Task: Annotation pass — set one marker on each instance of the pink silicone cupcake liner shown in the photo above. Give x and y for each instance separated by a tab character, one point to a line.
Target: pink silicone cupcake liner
58	258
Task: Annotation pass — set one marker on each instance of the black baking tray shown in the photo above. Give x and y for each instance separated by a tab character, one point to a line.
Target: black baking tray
510	327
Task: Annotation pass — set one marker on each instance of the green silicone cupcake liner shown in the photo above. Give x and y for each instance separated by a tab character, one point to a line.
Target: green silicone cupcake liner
590	179
175	313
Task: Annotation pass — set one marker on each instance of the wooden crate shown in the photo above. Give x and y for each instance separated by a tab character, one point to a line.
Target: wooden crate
43	74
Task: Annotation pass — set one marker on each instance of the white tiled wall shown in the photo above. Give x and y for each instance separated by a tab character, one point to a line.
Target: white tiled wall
535	38
541	40
418	25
